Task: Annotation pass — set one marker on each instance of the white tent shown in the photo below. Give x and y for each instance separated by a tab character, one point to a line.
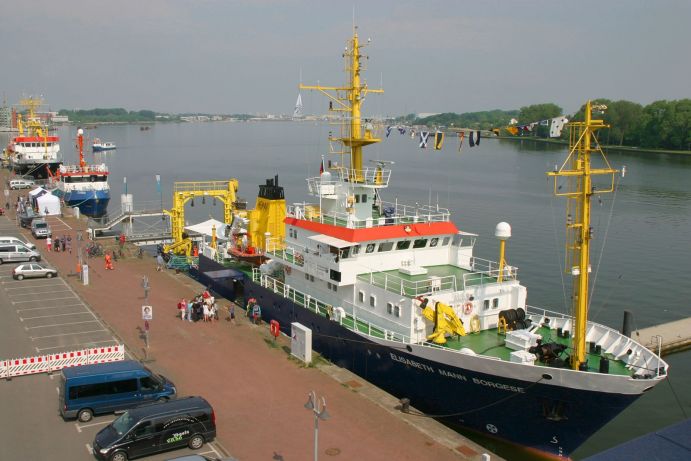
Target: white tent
37	192
48	205
204	228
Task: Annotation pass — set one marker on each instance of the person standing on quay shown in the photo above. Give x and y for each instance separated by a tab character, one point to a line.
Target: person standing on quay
160	263
49	243
109	261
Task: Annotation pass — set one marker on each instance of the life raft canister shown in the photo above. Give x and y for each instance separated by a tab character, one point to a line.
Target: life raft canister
275	328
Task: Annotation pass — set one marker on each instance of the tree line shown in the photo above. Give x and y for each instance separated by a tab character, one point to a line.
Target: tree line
109	115
661	124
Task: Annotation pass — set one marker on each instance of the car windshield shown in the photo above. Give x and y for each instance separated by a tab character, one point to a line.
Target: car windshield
41	225
123	424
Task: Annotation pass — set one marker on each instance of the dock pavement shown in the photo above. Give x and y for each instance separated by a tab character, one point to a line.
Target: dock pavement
257	390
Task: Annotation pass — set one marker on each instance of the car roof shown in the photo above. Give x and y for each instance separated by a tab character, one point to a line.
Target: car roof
170	407
102	368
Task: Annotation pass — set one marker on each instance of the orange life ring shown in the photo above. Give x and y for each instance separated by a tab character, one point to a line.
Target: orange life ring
274	328
468	308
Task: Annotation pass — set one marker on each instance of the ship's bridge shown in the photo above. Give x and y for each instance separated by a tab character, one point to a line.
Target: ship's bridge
325	184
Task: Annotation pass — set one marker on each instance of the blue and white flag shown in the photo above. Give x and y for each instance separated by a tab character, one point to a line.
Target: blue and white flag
388	131
423	139
401	130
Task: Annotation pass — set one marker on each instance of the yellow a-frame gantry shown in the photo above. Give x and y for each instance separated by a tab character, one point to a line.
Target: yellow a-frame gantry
225	191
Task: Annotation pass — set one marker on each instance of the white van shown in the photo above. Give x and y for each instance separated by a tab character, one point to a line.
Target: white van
21	183
15	240
11	252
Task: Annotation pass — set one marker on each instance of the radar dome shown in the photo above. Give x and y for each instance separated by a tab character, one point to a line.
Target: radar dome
502	231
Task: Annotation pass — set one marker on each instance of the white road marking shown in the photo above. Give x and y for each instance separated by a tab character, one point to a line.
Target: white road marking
60	324
56	315
89	449
39	349
37	293
57	388
68	226
34	338
39	300
24	287
82	426
49	307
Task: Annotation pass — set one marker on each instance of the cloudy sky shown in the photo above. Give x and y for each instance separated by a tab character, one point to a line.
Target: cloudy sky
246	56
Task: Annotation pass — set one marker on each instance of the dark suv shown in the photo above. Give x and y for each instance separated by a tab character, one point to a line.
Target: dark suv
157	427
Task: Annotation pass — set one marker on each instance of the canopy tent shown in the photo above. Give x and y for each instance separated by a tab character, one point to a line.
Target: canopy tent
204	228
37	192
48	205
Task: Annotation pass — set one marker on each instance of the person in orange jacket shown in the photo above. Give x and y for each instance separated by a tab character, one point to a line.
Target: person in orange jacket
109	261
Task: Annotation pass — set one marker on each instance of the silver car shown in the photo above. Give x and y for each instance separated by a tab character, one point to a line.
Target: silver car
31	270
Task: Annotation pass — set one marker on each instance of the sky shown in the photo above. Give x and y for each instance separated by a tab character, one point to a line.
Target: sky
247	56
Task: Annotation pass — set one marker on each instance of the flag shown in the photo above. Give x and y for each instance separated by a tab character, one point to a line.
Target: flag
461	136
477	138
321	166
471	141
388	131
423	139
556	126
438	140
401	129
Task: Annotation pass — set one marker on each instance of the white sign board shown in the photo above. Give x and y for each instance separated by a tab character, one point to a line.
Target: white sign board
301	342
147	313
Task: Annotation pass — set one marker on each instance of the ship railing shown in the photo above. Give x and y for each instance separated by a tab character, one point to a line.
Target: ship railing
371	176
101	168
200	186
293	254
348	320
387	214
411	288
484	271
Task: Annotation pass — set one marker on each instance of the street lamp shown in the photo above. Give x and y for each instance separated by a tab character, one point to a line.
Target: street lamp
319	413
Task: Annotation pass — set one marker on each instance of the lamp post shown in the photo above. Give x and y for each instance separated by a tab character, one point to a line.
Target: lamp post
318	407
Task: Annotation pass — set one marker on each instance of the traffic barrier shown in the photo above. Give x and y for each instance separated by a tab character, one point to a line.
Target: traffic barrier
54	362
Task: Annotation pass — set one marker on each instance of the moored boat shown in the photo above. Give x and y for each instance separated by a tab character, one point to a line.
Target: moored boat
395	293
33	151
84	186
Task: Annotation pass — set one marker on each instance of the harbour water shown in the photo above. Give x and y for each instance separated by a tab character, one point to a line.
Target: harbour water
641	255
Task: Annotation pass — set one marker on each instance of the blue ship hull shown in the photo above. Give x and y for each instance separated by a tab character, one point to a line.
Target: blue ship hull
553	420
90	203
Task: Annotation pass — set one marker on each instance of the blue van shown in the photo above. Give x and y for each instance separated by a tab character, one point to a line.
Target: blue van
107	387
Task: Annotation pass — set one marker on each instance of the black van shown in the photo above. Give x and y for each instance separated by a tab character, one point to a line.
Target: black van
156	427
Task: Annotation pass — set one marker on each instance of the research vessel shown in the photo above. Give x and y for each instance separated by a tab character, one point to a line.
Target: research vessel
33	151
395	293
84	185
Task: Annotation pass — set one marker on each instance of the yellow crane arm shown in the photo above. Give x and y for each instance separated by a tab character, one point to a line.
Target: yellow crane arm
445	320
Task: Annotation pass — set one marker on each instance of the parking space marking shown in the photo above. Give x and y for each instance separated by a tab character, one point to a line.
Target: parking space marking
24	287
89	449
60	324
49	307
67	225
89	344
34	338
38	293
56	315
38	300
82	426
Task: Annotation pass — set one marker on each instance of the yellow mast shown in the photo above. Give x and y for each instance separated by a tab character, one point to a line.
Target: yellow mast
349	99
578	188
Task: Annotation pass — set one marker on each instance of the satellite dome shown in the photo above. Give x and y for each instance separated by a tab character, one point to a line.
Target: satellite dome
502	231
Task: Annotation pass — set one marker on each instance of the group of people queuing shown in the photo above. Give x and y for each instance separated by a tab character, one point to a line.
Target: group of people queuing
202	307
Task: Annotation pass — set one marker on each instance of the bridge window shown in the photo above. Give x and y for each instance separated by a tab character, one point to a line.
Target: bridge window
420	243
495	303
397	310
344	253
389	308
355	250
445	241
403	244
370	248
433	242
385	246
361	297
364	198
485	305
372	300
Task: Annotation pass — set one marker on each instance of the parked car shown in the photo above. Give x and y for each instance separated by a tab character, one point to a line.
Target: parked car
16	241
40	228
107	387
33	270
12	252
21	183
157	427
27	216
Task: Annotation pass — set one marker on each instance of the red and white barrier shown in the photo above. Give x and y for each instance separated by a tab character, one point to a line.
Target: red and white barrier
54	362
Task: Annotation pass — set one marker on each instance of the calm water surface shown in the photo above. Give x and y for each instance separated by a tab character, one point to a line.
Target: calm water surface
641	256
